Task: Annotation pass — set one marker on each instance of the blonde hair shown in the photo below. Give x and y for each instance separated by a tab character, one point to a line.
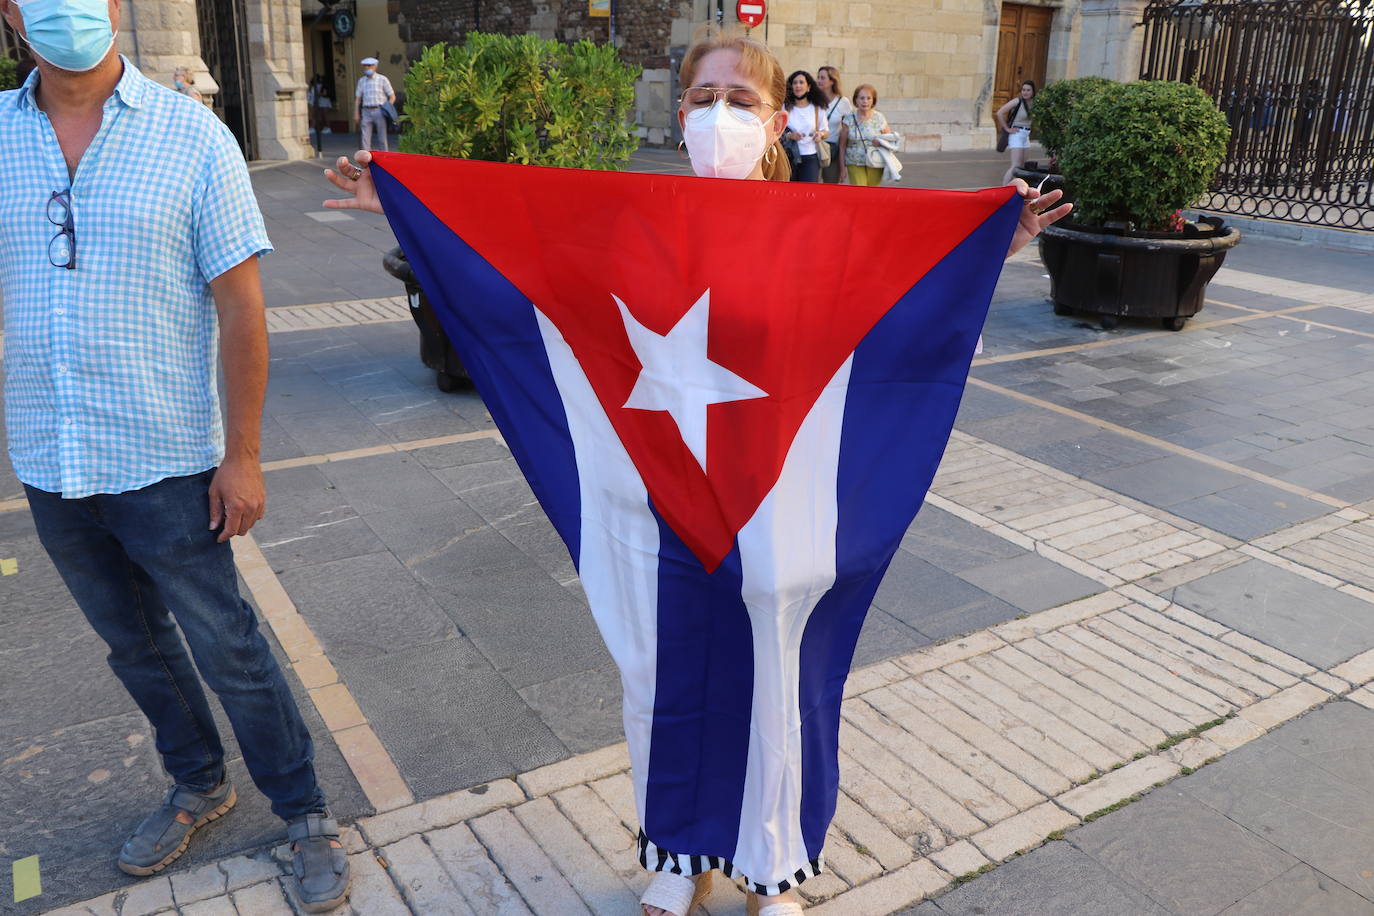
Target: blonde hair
757	63
835	90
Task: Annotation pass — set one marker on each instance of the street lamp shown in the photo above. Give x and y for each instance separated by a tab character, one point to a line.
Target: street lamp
1195	23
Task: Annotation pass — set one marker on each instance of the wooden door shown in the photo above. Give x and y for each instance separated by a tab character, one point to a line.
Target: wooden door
1023	44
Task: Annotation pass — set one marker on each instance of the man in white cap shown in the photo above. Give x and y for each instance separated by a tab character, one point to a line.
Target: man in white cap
374	90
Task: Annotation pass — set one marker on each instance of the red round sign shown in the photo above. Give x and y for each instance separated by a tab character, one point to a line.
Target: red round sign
751	12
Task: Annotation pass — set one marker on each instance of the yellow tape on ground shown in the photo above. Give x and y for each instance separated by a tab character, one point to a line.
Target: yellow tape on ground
9	567
27	881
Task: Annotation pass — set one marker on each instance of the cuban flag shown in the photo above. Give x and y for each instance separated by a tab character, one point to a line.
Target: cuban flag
730	398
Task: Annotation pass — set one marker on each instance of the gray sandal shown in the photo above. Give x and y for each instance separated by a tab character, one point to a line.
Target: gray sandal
162	837
318	867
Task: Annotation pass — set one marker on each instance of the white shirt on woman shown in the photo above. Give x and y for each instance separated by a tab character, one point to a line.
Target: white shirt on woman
834	113
801	119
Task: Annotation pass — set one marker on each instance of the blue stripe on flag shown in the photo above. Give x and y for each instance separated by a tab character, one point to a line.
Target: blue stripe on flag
700	745
507	359
904	389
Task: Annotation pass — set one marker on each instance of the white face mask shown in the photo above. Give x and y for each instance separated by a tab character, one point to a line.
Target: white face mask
723	143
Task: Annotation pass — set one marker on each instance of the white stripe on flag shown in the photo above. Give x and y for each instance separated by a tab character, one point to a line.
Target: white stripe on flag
787	553
618	561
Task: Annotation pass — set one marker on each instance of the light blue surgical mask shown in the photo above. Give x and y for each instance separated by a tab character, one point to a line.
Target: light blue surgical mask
71	34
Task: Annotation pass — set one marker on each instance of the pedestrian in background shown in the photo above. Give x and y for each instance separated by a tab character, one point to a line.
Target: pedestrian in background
806	126
117	277
185	83
1015	118
836	107
374	91
859	131
318	101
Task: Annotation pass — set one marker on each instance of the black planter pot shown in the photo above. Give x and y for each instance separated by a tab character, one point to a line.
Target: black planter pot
1137	274
435	350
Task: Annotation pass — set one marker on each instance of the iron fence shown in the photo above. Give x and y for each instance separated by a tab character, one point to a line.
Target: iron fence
224	48
1295	79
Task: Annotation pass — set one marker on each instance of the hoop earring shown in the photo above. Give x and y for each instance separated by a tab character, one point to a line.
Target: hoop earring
771	154
682	150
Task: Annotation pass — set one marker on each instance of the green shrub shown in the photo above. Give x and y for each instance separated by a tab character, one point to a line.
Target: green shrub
1054	106
9	76
1139	152
522	99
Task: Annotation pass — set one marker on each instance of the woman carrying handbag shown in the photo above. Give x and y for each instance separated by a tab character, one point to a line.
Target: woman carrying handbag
806	132
837	106
859	133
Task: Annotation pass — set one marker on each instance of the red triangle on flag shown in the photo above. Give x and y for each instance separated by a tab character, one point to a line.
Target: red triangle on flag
797	275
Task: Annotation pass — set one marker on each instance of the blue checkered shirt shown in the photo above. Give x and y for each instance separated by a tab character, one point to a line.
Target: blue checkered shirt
110	368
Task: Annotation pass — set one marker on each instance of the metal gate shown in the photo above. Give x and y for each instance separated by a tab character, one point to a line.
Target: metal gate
1295	79
224	48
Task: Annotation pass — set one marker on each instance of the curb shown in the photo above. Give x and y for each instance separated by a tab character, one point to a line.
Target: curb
1326	236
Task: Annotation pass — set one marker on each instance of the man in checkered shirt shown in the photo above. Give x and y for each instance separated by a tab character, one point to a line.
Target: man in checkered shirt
129	239
374	91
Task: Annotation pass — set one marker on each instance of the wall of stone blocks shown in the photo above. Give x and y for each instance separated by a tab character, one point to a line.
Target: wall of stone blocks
276	49
932	61
161	35
1110	44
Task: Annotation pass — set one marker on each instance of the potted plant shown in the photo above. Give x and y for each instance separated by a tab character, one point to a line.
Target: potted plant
1136	154
511	98
1053	109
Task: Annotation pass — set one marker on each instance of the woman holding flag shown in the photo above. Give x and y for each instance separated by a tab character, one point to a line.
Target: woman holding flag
730	590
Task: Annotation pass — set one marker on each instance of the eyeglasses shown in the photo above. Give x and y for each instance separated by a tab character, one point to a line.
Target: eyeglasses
743	103
65	253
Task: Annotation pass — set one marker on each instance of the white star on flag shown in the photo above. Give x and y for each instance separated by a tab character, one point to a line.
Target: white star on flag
677	376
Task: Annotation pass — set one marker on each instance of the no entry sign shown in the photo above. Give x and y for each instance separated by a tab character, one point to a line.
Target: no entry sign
751	12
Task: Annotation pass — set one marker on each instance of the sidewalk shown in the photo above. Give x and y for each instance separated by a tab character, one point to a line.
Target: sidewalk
1144	550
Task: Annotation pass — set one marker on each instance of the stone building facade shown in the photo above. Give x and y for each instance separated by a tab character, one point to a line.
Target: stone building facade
934	62
269	114
938	65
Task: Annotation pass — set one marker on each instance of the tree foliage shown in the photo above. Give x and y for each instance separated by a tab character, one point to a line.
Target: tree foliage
1139	152
1054	106
520	98
9	76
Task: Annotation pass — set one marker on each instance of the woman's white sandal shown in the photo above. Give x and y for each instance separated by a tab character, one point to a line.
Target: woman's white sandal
676	894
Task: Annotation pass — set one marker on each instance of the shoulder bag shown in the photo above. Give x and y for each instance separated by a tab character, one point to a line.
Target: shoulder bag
822	147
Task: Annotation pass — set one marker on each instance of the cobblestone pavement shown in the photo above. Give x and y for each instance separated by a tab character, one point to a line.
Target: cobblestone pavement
1143	570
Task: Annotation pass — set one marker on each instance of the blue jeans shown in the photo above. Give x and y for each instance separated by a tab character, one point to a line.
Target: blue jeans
135	561
808	169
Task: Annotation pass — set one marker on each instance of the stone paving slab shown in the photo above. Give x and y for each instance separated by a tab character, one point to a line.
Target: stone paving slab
1283	610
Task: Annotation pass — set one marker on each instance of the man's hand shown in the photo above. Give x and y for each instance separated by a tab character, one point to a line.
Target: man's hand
1037	212
237	494
356	181
238	497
